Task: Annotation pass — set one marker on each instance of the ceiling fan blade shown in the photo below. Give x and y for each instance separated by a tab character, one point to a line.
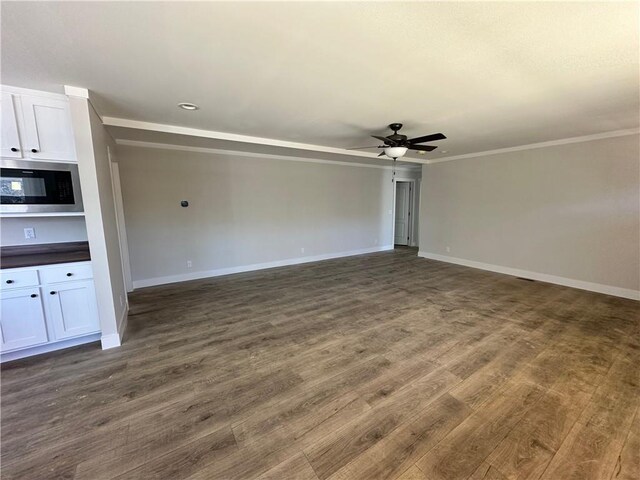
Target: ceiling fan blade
382	154
362	148
428	138
425	148
385	140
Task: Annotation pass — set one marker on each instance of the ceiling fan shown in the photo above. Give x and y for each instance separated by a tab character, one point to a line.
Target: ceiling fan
396	145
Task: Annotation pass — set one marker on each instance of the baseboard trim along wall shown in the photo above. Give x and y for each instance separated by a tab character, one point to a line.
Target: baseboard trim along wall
51	347
150	282
110	341
114	340
122	324
542	277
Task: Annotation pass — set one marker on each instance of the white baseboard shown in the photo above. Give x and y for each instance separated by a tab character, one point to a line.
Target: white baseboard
114	340
49	347
542	277
184	277
110	341
122	324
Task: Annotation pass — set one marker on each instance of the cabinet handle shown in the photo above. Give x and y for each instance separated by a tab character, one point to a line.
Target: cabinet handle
34	150
52	292
69	274
33	295
14	149
9	281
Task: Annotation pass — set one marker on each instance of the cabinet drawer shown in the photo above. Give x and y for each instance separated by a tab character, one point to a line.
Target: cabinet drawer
22	278
66	274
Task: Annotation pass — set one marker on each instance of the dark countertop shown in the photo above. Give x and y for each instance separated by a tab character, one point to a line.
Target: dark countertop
44	254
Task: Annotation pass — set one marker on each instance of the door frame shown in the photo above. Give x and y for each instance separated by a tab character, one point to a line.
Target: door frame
120	223
412	208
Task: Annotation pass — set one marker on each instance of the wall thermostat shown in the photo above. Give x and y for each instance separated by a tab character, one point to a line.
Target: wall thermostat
184	203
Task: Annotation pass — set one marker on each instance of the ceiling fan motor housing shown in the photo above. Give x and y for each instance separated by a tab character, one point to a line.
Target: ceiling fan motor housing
396	137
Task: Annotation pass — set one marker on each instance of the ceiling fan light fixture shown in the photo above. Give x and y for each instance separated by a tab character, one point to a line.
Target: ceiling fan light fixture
395	152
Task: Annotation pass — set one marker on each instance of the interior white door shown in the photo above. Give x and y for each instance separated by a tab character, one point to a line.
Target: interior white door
48	134
22	323
10	146
403	192
73	308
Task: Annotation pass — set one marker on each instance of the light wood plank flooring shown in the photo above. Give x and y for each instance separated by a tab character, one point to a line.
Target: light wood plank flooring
382	366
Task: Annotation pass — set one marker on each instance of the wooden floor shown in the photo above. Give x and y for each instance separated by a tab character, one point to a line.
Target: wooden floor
377	366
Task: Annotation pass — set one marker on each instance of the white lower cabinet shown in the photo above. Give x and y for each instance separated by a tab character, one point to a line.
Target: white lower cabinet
72	307
60	306
22	322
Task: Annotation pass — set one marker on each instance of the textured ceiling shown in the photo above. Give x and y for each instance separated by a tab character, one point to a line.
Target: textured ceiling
488	75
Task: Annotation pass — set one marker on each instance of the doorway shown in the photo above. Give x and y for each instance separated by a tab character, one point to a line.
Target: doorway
403	215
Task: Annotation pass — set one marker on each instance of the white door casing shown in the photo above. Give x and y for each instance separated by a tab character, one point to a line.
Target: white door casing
122	230
402	213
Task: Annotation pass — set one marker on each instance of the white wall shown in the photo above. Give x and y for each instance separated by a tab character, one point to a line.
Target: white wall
245	212
92	141
48	230
570	211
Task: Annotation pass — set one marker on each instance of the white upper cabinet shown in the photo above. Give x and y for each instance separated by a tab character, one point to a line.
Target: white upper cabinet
10	146
47	129
36	127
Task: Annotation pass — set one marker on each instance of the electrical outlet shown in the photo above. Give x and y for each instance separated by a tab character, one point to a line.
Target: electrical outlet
302	250
375	241
121	301
29	233
189	264
448	249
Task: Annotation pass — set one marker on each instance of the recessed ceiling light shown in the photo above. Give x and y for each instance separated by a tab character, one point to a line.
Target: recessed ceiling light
422	152
444	151
188	106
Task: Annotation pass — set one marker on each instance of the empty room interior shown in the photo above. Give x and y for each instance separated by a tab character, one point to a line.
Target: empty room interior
320	240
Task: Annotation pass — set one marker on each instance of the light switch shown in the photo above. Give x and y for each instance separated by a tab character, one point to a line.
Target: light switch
29	233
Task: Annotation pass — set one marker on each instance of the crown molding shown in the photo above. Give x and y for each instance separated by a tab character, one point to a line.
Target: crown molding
31	92
552	143
269	156
76	92
233	137
195	132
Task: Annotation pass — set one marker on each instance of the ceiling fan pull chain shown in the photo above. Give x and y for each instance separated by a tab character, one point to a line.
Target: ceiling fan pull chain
393	176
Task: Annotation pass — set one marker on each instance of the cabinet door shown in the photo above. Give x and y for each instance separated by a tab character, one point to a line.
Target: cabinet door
22	323
73	309
47	129
10	146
